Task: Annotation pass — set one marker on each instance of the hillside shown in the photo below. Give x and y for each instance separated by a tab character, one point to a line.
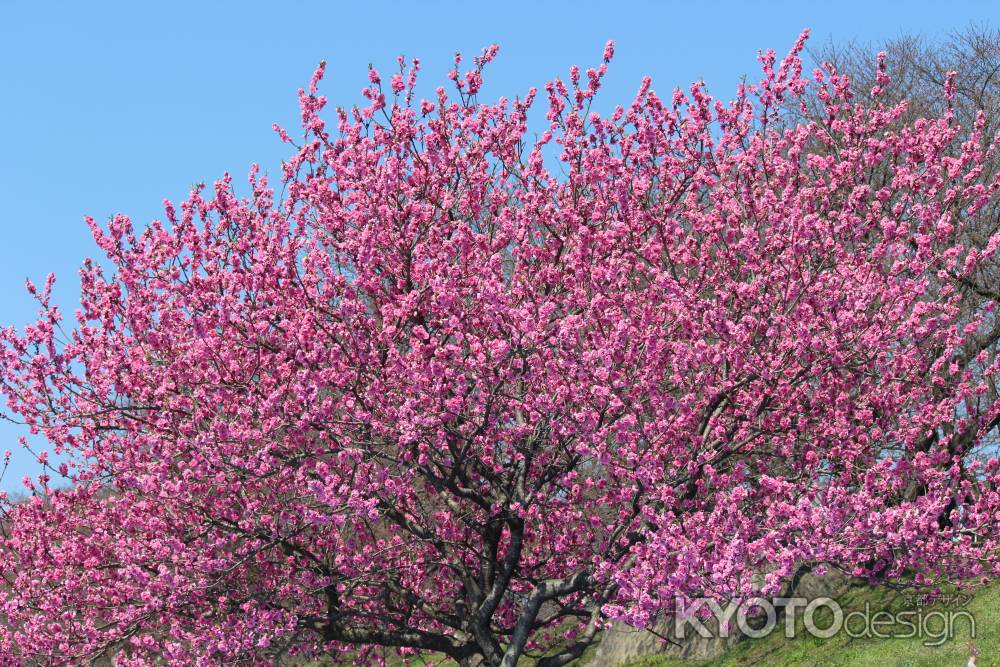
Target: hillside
807	651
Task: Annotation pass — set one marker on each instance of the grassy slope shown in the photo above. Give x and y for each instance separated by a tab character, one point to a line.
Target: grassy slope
807	651
841	650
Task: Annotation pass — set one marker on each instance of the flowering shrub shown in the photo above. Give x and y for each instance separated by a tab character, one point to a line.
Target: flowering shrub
463	392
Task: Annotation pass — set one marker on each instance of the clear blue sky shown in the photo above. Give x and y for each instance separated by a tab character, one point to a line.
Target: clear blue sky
110	107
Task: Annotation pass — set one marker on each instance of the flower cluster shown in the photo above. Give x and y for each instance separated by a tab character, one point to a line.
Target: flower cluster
463	392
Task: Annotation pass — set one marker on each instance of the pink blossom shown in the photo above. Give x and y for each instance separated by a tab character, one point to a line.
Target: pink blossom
454	374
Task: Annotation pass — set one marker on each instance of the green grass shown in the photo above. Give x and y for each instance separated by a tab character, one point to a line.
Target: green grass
805	650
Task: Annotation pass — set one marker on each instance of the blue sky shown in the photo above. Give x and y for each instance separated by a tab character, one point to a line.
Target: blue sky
111	107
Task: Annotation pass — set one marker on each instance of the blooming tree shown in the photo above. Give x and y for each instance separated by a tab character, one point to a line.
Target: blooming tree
464	393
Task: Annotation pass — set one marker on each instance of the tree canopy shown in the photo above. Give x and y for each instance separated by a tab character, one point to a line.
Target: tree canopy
462	390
